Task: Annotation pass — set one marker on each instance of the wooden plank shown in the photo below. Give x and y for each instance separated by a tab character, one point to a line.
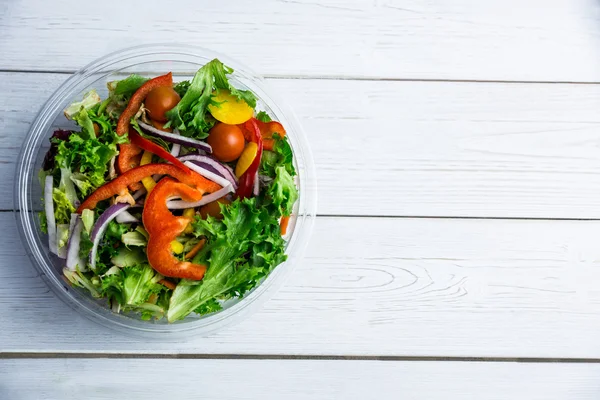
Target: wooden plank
372	286
109	379
463	39
418	148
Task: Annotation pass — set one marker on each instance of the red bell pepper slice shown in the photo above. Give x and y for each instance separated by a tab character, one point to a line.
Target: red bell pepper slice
128	152
118	186
153	148
246	181
163	227
267	130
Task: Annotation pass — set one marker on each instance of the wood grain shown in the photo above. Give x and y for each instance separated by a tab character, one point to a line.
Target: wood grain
418	148
537	40
260	379
372	286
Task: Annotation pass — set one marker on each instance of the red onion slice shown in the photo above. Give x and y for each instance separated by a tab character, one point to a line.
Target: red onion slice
174	138
256	188
139	194
73	259
180	204
175	149
208	174
100	227
126	218
50	219
212	165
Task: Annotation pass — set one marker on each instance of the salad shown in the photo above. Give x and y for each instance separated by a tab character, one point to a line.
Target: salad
170	197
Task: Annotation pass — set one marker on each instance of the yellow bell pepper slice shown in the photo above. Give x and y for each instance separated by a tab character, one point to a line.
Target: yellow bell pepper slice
148	182
229	109
189	213
246	158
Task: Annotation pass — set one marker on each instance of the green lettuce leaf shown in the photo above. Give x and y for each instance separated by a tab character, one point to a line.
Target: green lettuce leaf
79	279
283	192
229	273
134	238
87	217
125	88
89	157
89	100
131	286
129	257
263	116
66	185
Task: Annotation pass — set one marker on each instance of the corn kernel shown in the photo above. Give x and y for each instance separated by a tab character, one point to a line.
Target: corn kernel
176	247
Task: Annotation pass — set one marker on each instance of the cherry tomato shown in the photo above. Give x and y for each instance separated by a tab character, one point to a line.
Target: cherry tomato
160	100
213	209
227	142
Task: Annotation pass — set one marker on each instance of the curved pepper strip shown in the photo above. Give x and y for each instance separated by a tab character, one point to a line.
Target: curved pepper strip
267	130
153	148
128	151
118	186
163	227
246	181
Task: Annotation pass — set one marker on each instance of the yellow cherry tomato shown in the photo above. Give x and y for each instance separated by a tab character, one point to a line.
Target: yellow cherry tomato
230	109
245	160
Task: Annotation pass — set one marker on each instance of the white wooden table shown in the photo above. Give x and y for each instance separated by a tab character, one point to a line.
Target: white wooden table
456	254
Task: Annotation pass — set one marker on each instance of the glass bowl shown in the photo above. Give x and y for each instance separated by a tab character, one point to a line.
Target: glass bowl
150	61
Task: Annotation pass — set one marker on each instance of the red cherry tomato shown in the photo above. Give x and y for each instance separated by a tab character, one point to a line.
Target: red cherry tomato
227	142
160	100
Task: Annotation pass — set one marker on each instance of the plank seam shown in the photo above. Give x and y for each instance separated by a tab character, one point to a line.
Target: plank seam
348	78
427	217
309	357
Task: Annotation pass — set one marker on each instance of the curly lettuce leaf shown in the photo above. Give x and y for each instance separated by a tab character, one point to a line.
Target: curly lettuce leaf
134	238
85	122
89	157
263	117
62	207
89	100
79	279
283	192
131	286
229	241
125	88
